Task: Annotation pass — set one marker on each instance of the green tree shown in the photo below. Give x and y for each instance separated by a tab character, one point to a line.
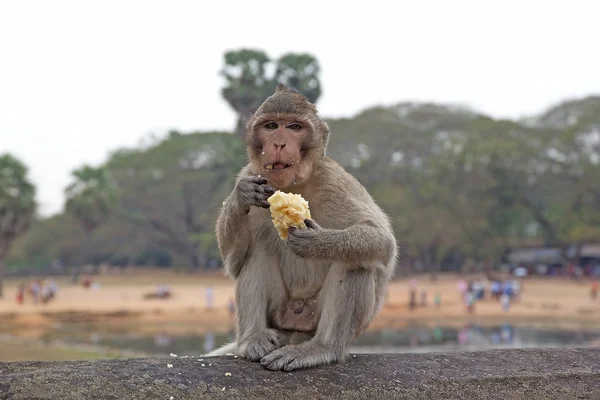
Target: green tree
17	205
300	71
173	190
248	83
90	199
459	186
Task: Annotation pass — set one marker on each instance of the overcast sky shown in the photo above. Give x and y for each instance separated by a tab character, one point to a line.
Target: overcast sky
81	78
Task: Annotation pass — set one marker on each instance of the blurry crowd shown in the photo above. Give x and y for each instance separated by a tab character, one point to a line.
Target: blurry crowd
37	291
505	292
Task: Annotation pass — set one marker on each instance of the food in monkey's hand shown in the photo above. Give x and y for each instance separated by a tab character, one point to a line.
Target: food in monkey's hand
288	209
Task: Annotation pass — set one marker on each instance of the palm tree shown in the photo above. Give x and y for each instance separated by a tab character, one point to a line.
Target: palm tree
17	205
90	199
249	81
300	71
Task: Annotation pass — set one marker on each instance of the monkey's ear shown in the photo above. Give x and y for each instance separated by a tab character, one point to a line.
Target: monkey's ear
281	87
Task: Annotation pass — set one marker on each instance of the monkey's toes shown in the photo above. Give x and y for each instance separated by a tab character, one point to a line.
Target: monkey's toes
288	359
295	357
278	360
262	343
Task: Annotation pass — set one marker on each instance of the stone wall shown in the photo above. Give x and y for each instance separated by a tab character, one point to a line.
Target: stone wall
495	374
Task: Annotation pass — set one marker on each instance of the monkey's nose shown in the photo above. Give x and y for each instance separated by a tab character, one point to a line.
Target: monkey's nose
279	146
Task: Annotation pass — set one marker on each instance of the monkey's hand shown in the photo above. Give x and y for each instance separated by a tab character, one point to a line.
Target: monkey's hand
301	241
253	191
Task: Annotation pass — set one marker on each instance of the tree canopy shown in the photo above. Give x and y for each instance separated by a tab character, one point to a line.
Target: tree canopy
17	205
459	186
90	197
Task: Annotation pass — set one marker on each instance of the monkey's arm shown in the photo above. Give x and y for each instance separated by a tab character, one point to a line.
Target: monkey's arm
232	227
366	243
233	235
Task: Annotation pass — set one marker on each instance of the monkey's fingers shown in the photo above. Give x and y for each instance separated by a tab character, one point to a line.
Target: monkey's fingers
267	190
264	204
259	179
310	224
260	200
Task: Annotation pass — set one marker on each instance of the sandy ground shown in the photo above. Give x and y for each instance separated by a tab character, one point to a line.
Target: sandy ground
119	300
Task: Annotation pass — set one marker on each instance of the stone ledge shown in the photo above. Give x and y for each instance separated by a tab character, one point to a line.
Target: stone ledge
495	374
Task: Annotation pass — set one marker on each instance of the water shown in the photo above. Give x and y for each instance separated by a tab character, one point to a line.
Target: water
414	338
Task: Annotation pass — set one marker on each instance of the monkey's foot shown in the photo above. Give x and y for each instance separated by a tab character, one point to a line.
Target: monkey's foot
293	357
261	343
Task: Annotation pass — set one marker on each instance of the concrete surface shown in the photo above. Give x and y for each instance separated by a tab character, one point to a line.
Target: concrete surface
495	374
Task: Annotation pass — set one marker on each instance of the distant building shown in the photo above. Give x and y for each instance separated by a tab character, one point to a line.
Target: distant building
550	260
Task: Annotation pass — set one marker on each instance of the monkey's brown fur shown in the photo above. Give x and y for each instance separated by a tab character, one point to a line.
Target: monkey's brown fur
301	301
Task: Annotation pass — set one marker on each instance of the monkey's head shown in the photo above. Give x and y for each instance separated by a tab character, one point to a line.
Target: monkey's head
285	137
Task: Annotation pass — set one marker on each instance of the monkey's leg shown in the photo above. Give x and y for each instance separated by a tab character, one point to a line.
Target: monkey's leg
348	303
259	287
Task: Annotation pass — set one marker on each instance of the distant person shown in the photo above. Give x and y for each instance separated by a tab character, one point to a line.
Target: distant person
495	289
594	292
163	291
478	289
469	285
209	297
470	300
35	289
412	301
75	277
424	298
21	293
505	301
437	300
507	288
578	273
516	289
49	291
462	288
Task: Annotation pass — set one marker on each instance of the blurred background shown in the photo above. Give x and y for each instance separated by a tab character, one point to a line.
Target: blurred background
475	125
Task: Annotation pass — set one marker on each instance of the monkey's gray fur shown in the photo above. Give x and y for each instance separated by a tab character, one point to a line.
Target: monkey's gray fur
338	267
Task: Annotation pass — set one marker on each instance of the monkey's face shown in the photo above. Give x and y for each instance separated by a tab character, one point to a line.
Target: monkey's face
279	149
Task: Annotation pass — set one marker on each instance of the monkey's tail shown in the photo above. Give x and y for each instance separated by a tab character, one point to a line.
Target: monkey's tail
224	350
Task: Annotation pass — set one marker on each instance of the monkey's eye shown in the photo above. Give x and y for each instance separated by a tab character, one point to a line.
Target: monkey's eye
271	125
295	127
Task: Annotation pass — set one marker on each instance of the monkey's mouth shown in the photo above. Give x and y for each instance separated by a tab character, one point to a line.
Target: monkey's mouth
277	166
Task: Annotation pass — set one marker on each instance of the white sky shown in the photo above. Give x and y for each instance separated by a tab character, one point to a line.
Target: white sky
81	78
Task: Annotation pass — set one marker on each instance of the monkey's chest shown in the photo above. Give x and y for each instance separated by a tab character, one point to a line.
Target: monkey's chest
303	278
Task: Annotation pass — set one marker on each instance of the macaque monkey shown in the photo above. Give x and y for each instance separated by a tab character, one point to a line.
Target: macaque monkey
301	301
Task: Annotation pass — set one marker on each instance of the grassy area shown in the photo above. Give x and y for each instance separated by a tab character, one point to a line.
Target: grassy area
34	352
